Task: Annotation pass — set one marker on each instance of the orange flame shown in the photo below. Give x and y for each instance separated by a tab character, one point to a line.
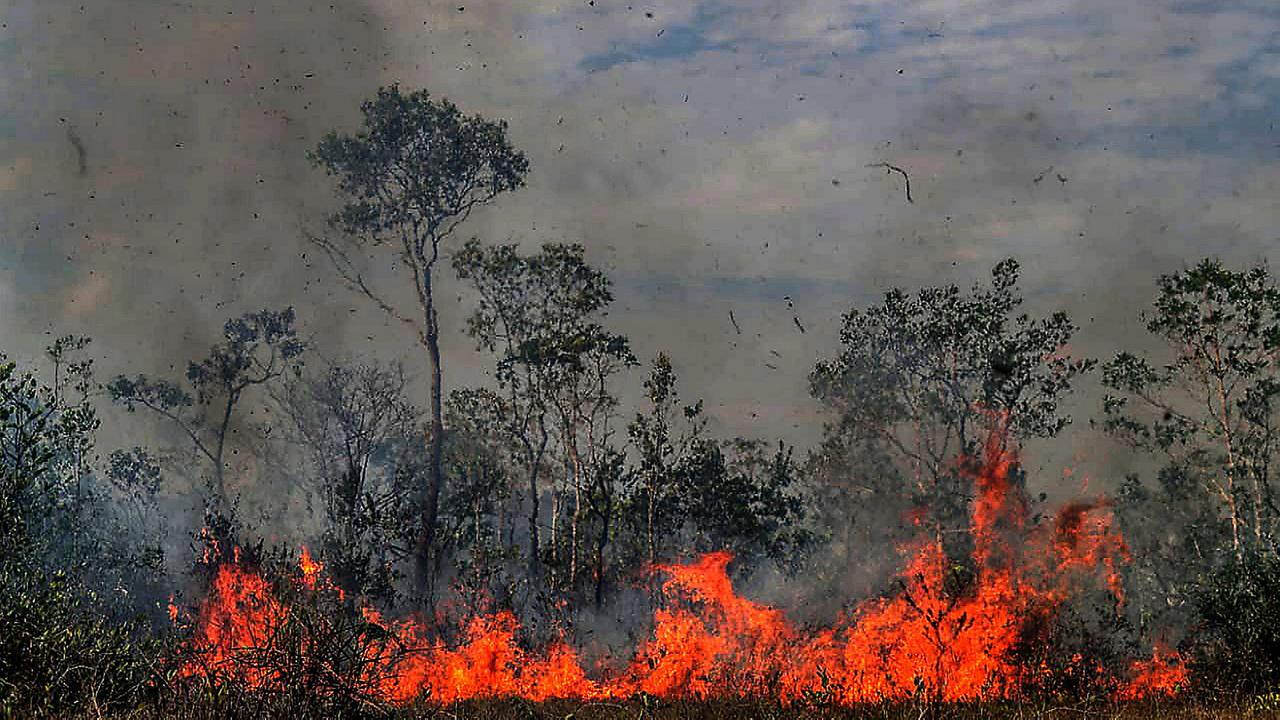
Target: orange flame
924	642
239	614
1164	674
310	568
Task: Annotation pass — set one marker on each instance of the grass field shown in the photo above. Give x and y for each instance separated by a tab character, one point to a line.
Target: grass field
214	705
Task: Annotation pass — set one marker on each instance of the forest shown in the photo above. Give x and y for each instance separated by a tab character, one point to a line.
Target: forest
541	546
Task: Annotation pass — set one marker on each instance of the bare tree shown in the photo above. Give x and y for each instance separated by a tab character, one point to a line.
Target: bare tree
351	420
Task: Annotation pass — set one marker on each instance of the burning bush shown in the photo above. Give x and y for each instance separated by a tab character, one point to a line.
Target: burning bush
291	635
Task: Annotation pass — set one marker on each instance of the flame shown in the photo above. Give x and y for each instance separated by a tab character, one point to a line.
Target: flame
310	568
1164	674
240	614
924	642
488	662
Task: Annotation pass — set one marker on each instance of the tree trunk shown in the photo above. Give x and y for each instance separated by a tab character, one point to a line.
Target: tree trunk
435	440
652	504
576	468
1224	425
555	539
1258	500
535	561
535	464
219	468
602	543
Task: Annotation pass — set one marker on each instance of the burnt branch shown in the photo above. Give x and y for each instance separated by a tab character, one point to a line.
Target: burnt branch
900	171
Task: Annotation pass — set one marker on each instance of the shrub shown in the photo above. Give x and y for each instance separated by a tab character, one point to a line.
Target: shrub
1237	646
60	654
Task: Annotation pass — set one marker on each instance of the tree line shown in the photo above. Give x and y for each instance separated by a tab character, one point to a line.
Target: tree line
541	487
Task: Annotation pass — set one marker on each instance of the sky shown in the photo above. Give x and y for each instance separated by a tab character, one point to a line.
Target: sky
711	156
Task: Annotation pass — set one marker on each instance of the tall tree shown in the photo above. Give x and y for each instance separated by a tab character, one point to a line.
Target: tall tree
538	314
412	175
666	435
923	377
1209	405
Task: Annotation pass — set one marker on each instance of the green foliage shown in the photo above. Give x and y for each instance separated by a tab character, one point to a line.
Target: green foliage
1222	328
536	311
418	162
67	560
741	497
60	653
476	510
1237	646
945	360
922	379
538	315
1205	406
691	494
411	176
668	437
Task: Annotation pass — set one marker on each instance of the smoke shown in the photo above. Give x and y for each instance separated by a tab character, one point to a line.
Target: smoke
153	172
712	157
155	167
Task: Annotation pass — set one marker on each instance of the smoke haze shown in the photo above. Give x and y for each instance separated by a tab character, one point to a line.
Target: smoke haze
711	155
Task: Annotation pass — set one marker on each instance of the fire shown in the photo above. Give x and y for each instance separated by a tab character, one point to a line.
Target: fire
924	642
487	662
1163	674
239	615
310	568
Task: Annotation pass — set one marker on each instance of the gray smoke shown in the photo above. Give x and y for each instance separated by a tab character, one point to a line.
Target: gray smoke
713	156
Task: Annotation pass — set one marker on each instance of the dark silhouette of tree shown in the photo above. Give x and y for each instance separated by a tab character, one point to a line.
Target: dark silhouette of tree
689	493
922	378
354	424
1209	405
257	348
665	436
412	175
537	314
480	511
70	641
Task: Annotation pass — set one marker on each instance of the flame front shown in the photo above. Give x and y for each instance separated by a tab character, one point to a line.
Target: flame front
707	641
239	615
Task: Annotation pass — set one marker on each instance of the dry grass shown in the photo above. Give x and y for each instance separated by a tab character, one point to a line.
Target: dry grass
213	704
